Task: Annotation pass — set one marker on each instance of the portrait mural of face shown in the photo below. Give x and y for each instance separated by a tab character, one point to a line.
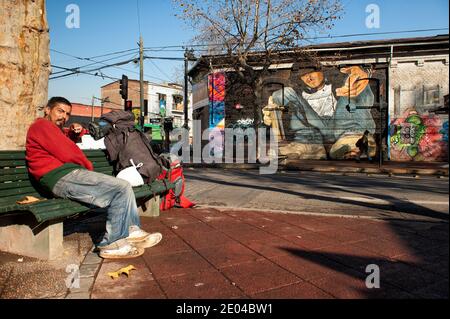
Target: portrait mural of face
329	110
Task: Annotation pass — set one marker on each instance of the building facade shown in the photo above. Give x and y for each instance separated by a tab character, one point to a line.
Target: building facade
318	109
168	100
84	114
162	100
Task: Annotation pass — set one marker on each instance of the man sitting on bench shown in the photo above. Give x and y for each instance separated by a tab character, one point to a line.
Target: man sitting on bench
61	167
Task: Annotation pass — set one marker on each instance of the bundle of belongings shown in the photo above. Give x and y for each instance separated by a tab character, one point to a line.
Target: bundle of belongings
129	150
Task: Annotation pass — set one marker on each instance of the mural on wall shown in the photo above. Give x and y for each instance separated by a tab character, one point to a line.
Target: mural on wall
416	137
328	111
216	93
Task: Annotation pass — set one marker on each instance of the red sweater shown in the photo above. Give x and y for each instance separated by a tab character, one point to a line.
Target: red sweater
47	148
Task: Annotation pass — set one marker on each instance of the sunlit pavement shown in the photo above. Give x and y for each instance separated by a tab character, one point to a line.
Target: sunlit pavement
207	253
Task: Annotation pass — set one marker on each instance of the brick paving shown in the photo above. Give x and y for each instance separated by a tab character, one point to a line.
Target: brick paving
212	254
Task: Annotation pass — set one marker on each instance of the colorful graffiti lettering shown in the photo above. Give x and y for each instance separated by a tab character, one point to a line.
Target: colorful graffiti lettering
216	91
418	137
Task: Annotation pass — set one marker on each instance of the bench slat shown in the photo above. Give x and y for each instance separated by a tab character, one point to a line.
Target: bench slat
16	184
98	165
156	187
48	210
13	178
12	199
14	170
16	191
13	163
12	155
94	153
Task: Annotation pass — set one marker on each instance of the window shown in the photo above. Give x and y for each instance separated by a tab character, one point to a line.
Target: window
177	104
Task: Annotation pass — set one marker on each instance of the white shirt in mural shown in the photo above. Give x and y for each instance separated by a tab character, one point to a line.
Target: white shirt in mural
322	101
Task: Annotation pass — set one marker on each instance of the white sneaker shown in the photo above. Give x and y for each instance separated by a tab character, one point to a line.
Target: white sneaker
127	251
150	241
137	235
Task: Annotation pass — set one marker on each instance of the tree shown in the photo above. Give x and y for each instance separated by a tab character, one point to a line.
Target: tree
24	68
244	29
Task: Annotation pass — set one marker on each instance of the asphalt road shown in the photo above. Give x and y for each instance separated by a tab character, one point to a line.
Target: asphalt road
398	197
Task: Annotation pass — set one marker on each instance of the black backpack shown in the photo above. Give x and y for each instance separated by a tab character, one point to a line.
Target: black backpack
124	141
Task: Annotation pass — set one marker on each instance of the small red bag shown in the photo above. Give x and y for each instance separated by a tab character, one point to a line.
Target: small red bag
174	196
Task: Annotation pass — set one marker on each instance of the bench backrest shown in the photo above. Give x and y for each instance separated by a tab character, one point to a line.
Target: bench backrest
16	183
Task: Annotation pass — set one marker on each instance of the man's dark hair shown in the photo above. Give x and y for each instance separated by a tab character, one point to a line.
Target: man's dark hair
58	100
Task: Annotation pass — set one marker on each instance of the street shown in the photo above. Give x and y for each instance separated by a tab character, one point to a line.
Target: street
380	196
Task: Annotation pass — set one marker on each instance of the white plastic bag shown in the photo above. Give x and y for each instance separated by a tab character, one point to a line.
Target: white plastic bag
131	174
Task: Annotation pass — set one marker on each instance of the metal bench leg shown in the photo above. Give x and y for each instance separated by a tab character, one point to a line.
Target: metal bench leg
44	242
150	208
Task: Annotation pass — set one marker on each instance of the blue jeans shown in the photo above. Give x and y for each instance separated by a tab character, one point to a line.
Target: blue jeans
104	191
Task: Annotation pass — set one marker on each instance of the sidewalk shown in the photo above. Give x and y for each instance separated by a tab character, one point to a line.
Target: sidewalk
346	166
212	254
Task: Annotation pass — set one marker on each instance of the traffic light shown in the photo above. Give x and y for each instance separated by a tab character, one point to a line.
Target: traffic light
124	87
128	105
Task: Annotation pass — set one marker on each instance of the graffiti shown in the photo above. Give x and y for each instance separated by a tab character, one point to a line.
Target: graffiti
216	92
444	132
245	122
418	137
329	111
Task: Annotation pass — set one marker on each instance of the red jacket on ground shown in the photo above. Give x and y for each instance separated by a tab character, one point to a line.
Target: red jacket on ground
48	148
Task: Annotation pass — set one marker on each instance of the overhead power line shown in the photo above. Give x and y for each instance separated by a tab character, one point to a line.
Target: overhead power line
77	70
94	57
101	75
82	72
162	48
99	62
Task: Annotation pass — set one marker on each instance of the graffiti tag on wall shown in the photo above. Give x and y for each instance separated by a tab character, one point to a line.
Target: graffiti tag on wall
419	137
216	92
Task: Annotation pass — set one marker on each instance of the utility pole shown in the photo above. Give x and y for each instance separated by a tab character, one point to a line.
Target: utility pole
92	109
141	78
185	105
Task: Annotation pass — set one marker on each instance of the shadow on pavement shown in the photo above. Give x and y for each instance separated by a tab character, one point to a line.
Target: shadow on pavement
399	204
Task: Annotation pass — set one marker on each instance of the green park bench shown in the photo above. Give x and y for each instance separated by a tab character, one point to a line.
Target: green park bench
36	229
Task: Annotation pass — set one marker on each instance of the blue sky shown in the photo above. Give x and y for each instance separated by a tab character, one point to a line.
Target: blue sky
108	26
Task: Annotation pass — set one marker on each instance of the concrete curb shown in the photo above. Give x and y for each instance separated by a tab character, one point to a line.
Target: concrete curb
289	212
331	169
88	271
